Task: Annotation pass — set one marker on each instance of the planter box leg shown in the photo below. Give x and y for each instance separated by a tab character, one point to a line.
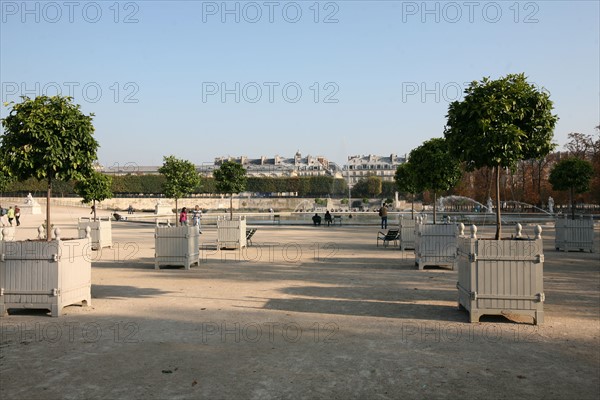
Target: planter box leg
474	316
56	310
539	318
2	310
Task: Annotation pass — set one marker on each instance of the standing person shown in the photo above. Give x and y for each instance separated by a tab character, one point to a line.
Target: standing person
17	215
11	215
197	216
383	212
183	216
130	209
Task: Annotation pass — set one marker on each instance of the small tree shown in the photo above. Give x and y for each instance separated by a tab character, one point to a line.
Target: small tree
230	178
48	138
498	123
406	182
94	188
181	179
434	168
572	174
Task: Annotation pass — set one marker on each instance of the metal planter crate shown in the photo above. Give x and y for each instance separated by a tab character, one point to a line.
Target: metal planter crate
499	277
231	234
176	245
436	245
101	231
41	274
407	234
574	234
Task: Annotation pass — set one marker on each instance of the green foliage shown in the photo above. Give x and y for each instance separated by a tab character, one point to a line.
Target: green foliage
4	181
181	177
368	187
230	178
365	200
48	138
321	202
94	188
433	167
572	173
405	178
500	122
344	201
388	189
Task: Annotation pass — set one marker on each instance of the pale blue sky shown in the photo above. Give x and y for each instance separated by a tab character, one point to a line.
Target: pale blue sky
391	67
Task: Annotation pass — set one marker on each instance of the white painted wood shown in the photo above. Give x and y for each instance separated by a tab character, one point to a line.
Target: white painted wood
231	234
574	234
435	245
176	245
498	277
407	233
101	231
7	233
41	274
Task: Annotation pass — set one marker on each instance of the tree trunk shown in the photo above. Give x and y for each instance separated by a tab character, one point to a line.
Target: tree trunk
231	207
498	219
434	206
94	205
176	214
48	225
571	199
412	211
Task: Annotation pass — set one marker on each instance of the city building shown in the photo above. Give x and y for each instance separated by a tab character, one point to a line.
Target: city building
359	167
278	167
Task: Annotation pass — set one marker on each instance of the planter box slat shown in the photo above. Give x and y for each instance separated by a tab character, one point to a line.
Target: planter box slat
231	234
176	246
501	277
574	234
435	245
101	231
45	281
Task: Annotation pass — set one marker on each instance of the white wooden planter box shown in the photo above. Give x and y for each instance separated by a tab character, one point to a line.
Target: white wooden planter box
163	210
231	234
407	234
7	233
101	231
436	245
574	234
499	277
176	245
41	274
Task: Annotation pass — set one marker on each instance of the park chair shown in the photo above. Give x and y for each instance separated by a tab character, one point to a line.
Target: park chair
392	235
249	234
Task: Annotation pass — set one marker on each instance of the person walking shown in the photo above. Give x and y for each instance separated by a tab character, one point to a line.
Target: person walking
383	213
10	215
17	215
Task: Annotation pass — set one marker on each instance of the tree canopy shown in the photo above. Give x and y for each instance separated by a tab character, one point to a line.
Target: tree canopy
96	187
230	178
47	138
434	168
572	174
181	179
498	123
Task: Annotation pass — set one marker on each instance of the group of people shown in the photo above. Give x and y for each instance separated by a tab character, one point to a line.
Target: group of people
317	219
11	214
383	213
196	216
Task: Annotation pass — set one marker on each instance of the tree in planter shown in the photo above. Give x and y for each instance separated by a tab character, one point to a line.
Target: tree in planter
94	188
434	168
498	123
48	138
181	179
406	182
572	174
230	178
